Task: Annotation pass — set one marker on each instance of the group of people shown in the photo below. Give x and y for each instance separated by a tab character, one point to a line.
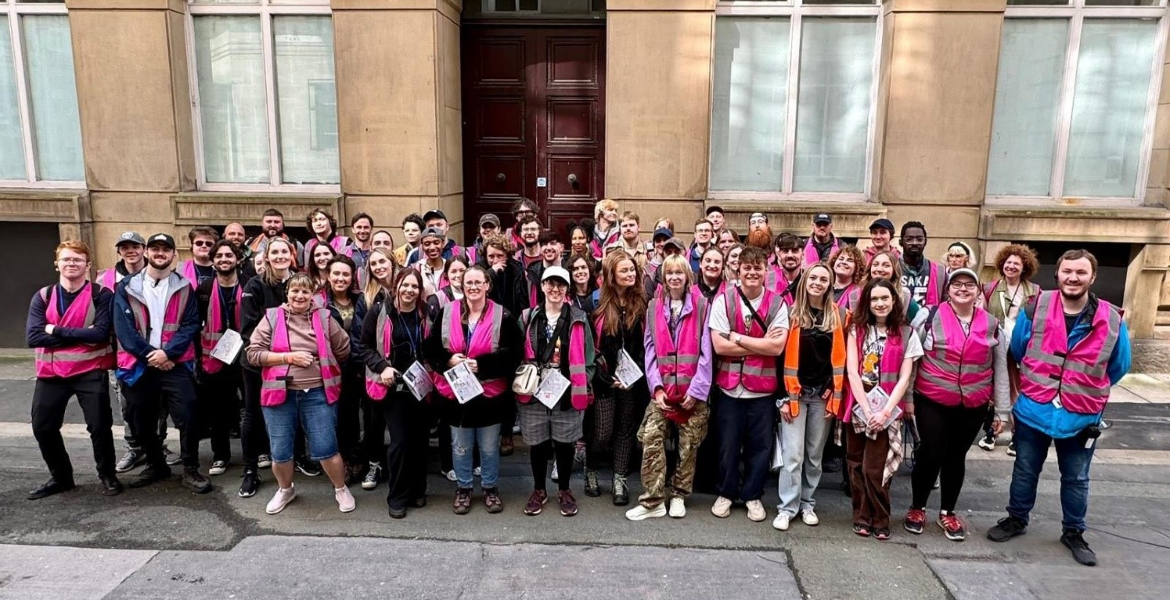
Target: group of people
765	350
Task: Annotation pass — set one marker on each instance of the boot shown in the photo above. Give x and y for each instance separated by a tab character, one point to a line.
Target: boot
592	488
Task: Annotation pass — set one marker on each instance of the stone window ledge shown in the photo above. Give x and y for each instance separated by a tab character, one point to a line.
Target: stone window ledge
1138	225
221	208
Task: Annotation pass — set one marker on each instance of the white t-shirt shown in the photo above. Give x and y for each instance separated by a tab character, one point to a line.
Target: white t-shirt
874	345
156	294
719	324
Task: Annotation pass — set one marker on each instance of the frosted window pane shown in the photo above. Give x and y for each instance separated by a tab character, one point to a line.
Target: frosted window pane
1027	101
230	65
750	104
11	151
48	55
307	99
832	119
1109	107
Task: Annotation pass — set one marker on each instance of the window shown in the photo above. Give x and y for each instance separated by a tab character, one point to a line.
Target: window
1075	99
511	6
265	94
793	99
40	132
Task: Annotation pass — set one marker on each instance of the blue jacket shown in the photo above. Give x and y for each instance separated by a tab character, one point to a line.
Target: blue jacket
136	342
1055	422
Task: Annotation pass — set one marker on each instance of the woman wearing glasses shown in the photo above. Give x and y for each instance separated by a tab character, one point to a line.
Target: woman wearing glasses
963	370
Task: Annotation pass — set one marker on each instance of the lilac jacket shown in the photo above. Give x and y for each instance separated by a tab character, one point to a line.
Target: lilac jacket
700	386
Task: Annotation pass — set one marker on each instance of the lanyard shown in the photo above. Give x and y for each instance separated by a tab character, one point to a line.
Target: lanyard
223	302
411	337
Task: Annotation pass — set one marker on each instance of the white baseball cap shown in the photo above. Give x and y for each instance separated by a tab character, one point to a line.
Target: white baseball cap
556	272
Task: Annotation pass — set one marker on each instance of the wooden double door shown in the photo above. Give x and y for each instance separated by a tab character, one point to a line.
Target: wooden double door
533	121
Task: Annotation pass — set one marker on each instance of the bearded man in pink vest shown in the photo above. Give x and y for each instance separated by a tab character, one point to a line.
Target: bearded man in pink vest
69	325
822	243
749	327
1072	347
156	319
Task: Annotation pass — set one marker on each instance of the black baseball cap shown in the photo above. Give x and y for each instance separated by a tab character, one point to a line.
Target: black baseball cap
161	238
822	218
882	224
434	213
714	209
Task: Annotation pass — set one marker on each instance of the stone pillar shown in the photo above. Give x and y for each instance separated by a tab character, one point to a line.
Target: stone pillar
658	106
399	108
936	99
134	101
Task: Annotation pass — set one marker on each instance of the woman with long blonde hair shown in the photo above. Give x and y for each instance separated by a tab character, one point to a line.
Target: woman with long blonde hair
619	325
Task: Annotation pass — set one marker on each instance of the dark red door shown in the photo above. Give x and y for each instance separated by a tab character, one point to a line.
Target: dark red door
534	121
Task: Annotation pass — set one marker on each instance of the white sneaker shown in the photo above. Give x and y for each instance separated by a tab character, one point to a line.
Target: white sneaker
264	461
678	508
345	501
640	513
478	472
281	500
756	511
781	521
810	518
218	467
451	476
721	508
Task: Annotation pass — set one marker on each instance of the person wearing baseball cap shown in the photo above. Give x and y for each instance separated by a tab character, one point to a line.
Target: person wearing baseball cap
556	336
963	372
433	261
881	235
715	216
489	223
157	322
131	259
654	261
437	220
822	243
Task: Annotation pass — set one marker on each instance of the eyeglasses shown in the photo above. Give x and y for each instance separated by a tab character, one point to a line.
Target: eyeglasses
203	243
73	261
473	284
964	285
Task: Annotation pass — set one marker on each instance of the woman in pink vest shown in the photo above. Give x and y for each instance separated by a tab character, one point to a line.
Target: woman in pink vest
618	323
963	371
848	265
299	350
678	371
556	337
731	264
483	336
881	350
710	282
605	228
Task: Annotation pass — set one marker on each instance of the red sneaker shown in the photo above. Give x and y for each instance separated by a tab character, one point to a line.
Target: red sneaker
952	526
915	520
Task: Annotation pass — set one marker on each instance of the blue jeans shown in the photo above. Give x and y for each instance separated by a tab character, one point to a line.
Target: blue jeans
802	445
463	443
1073	459
318	419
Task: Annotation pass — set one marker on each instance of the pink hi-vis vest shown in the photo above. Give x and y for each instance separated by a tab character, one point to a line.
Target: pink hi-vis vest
889	369
958	368
936	285
385	347
108	279
578	381
810	251
187	270
338	243
485	340
678	359
77	359
757	373
599	246
1078	374
214	327
172	319
274	384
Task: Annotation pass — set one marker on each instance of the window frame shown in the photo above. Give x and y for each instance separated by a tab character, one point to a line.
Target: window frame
1075	12
796	10
15	11
265	10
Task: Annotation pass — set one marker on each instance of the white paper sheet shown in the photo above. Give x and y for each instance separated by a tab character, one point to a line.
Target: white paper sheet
463	382
228	347
418	380
627	370
552	387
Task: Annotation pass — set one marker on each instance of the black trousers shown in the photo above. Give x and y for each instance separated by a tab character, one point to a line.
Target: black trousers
51	397
373	444
253	435
176	388
219	395
348	414
947	433
408	422
128	428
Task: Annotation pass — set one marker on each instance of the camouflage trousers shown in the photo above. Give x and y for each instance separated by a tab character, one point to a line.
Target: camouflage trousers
653	433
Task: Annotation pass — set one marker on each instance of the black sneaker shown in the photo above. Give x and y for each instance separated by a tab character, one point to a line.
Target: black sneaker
1007	528
397	513
110	485
307	467
131	459
52	486
151	474
250	483
833	465
195	481
1080	550
1011	451
171	458
987	442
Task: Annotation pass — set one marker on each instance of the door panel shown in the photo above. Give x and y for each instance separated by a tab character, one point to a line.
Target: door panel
535	98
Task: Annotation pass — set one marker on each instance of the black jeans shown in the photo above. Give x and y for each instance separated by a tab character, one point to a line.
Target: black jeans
128	427
51	397
946	433
218	400
373	446
348	411
745	428
408	422
175	388
253	435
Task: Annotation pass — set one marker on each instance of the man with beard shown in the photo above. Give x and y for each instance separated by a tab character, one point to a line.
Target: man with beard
925	280
234	233
199	268
156	319
881	235
220	385
272	225
631	240
822	243
551	248
69	326
530	235
787	266
362	226
1071	347
435	219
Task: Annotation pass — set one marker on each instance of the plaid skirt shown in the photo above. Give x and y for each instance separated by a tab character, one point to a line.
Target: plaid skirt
539	424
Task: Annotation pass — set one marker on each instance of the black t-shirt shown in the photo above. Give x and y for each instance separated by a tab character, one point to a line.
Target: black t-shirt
407	338
816	350
203	273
